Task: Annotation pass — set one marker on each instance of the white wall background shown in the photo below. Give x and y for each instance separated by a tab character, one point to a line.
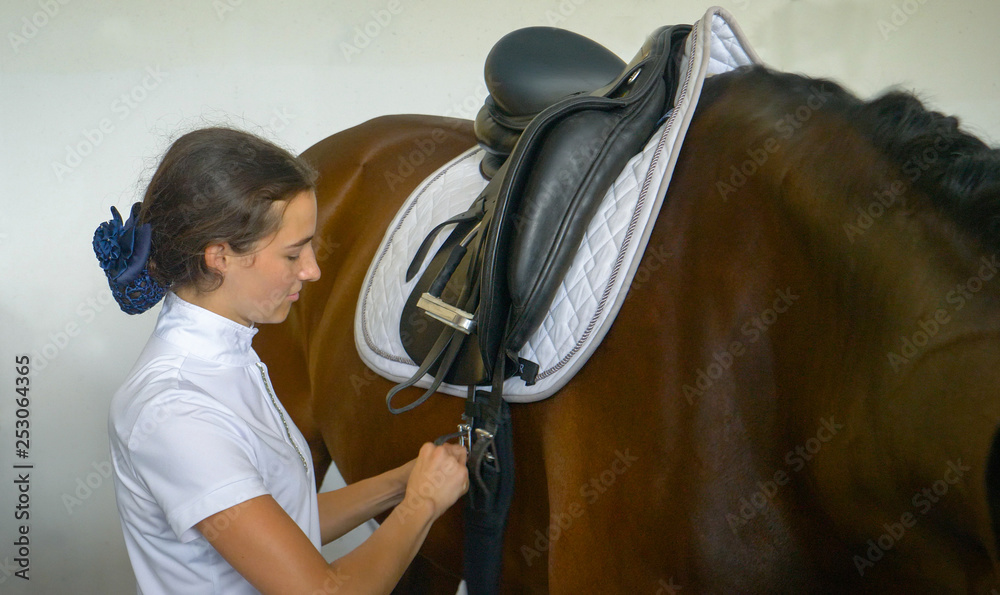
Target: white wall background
92	92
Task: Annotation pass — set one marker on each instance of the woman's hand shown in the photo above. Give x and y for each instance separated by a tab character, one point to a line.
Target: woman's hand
402	475
438	478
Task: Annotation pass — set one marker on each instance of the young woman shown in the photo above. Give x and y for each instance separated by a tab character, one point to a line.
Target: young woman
214	483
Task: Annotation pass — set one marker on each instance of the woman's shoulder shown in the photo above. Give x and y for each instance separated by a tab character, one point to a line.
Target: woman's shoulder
160	390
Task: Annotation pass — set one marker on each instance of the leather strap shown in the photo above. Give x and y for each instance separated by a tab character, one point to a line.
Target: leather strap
441	347
474	213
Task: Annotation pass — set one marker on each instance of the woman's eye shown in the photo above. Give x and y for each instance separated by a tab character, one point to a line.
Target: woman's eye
293	257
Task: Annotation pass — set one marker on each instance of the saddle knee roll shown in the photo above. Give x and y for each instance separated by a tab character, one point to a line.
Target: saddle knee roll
572	172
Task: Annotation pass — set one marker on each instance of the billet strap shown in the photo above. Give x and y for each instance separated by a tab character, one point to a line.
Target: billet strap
484	409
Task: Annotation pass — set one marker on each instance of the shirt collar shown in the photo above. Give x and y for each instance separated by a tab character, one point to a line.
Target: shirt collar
205	334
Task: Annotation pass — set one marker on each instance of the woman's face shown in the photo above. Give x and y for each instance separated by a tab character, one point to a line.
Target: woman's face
261	286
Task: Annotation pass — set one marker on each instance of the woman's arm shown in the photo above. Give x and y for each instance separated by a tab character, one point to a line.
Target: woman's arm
344	509
265	545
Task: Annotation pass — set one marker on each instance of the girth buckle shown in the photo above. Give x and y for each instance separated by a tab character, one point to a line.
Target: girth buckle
465	429
482	434
465	439
464	435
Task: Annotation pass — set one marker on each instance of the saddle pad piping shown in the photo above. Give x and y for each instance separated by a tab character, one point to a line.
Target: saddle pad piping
619	259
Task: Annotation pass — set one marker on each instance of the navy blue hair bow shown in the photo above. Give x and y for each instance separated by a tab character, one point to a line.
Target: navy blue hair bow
123	250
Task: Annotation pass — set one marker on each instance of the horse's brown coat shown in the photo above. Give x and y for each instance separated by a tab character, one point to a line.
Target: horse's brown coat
742	428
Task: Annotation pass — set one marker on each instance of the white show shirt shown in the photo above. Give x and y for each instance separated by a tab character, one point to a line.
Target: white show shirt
194	431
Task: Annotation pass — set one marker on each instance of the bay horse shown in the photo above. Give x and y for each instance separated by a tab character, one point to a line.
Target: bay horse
801	392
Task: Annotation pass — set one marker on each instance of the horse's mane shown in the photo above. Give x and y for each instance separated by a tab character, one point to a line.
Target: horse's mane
958	172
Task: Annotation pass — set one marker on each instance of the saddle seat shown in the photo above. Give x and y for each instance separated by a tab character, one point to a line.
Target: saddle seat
495	275
527	71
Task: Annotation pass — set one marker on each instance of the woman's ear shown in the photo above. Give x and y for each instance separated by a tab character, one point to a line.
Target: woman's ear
215	257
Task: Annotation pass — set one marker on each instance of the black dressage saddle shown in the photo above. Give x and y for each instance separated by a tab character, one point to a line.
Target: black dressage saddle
554	146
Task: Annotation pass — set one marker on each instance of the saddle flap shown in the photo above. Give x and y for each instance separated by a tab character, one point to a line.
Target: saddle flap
420	332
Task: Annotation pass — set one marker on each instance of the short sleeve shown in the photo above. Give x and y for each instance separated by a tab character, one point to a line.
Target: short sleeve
195	458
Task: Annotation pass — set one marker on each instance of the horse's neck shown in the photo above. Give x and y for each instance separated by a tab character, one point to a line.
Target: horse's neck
898	275
858	388
910	310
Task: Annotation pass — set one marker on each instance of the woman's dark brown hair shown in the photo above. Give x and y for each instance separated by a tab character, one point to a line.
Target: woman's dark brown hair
214	186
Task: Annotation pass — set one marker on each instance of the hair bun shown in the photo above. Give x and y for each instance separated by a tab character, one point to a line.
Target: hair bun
123	253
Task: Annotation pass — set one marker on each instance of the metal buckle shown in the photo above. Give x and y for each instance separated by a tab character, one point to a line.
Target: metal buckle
465	436
483	434
444	312
465	439
490	455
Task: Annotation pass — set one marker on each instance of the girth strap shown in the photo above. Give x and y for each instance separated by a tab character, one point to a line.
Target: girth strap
491	466
485	511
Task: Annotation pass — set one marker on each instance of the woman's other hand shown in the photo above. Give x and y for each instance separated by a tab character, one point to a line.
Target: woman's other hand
438	478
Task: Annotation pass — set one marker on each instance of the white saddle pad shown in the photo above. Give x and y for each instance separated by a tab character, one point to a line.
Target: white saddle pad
595	287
